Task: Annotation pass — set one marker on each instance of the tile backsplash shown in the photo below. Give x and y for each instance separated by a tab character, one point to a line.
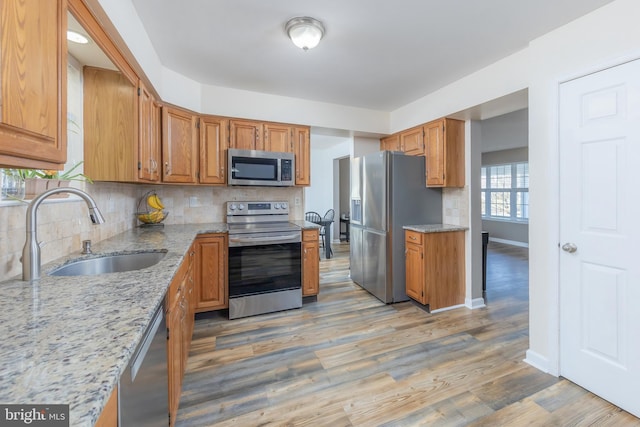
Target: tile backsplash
455	208
63	223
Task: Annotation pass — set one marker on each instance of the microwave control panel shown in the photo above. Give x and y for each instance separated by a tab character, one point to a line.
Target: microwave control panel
286	171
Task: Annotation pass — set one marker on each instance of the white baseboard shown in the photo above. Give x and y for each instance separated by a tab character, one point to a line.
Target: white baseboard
446	308
509	242
537	361
474	303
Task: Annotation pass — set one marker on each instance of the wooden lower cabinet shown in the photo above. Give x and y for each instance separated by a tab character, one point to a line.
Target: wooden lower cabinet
180	320
310	263
109	415
211	274
435	270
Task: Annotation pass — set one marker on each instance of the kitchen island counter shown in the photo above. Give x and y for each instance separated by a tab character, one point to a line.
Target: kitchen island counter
66	340
435	228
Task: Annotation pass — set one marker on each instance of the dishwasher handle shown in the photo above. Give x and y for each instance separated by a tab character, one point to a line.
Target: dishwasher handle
138	358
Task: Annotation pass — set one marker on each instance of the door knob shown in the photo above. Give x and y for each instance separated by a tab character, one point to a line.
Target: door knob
569	247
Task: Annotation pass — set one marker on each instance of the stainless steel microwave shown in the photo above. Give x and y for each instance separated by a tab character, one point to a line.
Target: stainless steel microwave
261	168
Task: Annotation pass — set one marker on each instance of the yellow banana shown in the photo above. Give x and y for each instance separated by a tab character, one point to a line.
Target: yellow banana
154	201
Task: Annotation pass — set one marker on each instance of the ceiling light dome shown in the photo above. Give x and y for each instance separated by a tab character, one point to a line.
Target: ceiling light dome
305	32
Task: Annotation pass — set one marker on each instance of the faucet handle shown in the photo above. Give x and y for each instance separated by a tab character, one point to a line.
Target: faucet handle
86	247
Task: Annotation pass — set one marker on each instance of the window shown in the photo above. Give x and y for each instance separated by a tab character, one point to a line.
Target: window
505	191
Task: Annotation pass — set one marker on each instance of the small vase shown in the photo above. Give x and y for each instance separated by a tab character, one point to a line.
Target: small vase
13	186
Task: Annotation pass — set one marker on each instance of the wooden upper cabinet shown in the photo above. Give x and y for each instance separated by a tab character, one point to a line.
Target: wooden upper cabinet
412	141
213	149
277	137
302	151
33	80
149	136
445	153
179	146
390	143
246	135
110	126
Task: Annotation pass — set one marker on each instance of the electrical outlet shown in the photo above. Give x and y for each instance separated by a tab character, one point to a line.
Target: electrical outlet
296	201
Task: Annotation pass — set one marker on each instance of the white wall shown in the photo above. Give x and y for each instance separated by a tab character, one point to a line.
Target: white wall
319	197
601	39
506	131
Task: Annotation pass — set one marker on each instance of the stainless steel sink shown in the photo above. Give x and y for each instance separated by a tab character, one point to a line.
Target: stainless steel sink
110	263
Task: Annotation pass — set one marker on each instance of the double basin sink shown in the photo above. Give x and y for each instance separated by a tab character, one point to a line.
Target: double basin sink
110	263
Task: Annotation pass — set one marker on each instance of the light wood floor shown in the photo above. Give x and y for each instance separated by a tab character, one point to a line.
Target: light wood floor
349	360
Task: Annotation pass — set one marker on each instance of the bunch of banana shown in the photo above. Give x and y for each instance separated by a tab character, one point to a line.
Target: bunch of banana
156	214
152	217
154	201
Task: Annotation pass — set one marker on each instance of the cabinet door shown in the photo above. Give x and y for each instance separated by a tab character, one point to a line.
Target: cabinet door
211	272
148	136
310	263
277	137
179	146
390	143
109	415
445	153
33	57
434	132
245	135
174	358
302	151
415	272
110	126
213	149
412	141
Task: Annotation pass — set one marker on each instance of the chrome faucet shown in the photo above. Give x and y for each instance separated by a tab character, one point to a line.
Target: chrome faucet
31	250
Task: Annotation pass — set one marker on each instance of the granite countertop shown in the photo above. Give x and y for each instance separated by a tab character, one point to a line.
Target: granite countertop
305	225
66	340
435	228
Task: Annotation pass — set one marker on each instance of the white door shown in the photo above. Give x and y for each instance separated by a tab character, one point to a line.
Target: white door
599	234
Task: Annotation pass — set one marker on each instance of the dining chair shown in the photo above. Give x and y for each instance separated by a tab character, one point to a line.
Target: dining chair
312	217
327	220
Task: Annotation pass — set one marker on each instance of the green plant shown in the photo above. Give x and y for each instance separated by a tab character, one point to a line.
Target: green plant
52	174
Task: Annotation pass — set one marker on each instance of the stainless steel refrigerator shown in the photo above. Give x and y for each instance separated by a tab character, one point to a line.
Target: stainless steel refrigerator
387	192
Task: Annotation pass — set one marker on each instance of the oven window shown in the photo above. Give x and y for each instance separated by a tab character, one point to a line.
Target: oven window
268	268
255	168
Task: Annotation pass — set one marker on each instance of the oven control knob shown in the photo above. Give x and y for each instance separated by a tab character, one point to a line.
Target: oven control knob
241	206
276	205
232	207
283	205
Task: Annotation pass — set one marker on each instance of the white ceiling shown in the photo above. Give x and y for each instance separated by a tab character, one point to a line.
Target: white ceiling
377	54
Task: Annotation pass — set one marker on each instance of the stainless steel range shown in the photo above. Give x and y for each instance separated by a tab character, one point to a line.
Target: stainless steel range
265	265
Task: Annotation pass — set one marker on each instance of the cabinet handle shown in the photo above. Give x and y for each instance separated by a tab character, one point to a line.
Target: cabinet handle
412	237
154	165
167	169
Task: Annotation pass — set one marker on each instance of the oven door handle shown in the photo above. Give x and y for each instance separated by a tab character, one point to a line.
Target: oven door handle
284	238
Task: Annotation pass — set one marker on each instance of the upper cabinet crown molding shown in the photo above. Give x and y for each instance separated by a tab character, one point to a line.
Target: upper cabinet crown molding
33	80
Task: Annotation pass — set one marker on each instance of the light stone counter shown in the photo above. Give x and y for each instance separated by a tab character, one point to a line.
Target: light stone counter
305	225
65	340
435	228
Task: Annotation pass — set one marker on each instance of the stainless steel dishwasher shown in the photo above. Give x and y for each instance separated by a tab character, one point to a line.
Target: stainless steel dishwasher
144	394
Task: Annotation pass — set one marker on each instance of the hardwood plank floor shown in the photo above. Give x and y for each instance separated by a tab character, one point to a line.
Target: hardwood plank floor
349	360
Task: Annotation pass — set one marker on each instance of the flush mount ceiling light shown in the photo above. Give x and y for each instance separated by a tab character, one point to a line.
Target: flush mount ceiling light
304	32
72	36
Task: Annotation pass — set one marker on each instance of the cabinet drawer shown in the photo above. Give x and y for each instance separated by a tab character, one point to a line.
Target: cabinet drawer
178	283
411	236
309	235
